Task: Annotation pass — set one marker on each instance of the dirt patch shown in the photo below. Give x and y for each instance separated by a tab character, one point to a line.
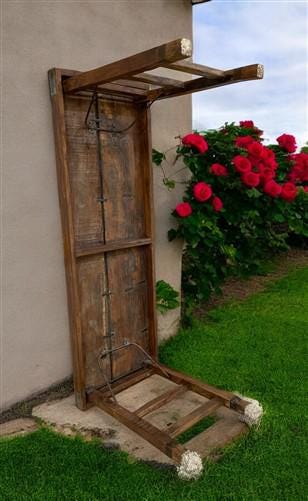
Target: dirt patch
16	427
24	408
240	289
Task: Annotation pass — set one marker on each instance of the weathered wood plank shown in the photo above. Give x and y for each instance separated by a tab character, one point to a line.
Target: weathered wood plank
157	80
138	63
237	75
193	417
161	400
124	382
220	434
120	89
98	248
197	386
95	328
129	306
195	69
65	199
146	430
146	148
83	171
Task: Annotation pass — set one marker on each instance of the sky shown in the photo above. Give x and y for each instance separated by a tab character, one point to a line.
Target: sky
233	33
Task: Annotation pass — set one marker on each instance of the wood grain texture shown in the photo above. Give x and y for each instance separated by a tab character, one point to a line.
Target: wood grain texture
138	63
67	219
220	434
92	283
125	382
161	400
146	430
109	241
197	386
186	422
83	172
157	80
129	307
91	248
195	69
236	75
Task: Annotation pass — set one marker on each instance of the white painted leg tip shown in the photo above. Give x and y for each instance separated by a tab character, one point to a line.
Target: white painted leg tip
253	412
191	466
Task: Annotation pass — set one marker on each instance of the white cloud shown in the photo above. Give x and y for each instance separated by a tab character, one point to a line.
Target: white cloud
231	34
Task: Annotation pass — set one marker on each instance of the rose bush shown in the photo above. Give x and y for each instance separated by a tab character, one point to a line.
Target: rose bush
243	201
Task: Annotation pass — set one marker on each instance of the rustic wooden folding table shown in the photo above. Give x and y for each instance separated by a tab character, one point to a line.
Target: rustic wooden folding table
103	152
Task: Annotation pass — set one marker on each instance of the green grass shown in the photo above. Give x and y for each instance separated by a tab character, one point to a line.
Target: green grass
259	348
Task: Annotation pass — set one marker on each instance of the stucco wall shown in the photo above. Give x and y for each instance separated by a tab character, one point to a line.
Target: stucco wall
38	35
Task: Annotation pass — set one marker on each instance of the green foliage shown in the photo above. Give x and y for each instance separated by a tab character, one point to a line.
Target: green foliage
252	224
166	297
157	157
169	183
304	149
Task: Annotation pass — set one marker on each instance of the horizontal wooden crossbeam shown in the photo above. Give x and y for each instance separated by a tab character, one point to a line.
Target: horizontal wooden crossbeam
144	61
195	69
122	384
236	75
130	76
157	80
161	400
194	417
99	248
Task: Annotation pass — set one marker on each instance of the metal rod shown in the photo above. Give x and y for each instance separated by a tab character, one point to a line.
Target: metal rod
137	346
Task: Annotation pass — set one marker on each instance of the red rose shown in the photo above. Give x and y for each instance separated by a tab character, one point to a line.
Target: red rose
268	154
267	174
243	141
251	179
202	191
288	192
255	149
247	124
287	142
217	204
293	176
241	164
272	188
271	163
299	170
218	170
256	162
183	209
306	189
195	141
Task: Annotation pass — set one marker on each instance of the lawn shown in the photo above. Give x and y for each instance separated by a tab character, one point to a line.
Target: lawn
257	347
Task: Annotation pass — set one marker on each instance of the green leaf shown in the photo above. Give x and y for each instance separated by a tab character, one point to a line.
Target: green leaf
172	234
166	297
158	157
170	183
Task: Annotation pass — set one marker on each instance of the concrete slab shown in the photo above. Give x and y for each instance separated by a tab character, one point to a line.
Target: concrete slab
16	427
67	419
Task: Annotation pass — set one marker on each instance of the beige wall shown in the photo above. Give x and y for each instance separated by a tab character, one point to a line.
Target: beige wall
38	35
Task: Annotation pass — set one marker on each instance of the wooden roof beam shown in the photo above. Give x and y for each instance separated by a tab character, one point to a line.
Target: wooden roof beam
195	69
138	63
236	75
157	80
